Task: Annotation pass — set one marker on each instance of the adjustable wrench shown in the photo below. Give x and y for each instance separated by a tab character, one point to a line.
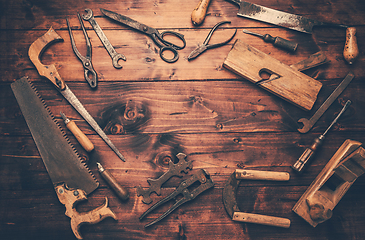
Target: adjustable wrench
308	124
108	46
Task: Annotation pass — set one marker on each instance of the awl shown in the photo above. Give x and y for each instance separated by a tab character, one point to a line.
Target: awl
50	72
276	41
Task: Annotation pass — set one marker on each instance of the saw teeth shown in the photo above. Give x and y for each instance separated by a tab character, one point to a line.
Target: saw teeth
61	129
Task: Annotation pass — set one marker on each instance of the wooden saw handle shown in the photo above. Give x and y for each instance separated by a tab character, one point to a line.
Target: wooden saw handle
198	14
351	50
261	219
35	51
69	198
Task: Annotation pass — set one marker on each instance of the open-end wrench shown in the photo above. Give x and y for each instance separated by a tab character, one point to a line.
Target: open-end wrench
108	46
308	124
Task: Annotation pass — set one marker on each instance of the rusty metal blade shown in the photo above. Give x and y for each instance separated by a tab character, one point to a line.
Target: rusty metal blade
229	195
60	158
279	18
72	99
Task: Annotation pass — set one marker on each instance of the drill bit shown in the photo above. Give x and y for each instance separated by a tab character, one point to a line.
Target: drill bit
276	41
299	165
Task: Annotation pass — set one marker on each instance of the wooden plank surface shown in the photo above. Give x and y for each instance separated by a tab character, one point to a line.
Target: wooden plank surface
218	119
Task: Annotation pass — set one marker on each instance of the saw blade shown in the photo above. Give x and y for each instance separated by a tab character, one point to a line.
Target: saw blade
60	158
279	18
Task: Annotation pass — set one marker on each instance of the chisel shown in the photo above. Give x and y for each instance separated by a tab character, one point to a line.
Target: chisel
276	41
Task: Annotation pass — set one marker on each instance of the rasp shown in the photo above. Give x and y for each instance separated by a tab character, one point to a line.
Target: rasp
71	178
279	18
49	71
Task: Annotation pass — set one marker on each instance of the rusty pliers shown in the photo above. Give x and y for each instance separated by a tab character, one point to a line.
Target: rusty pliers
86	61
201	178
200	49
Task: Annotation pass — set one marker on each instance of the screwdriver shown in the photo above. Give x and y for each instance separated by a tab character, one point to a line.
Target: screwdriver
80	136
276	41
309	152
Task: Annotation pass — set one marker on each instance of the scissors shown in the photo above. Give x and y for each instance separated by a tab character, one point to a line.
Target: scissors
86	61
199	50
153	33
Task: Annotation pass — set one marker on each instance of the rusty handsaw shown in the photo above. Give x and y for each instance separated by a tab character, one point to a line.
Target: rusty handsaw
49	71
72	180
279	18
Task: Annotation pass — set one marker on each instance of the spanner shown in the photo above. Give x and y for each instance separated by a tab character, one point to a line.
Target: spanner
108	46
308	124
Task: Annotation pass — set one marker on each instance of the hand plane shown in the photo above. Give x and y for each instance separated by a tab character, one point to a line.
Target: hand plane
345	166
284	81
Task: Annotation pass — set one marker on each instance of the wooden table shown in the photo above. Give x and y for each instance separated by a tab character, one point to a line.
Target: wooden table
219	120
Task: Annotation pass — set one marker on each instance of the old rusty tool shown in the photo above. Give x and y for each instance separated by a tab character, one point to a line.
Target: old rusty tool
308	124
71	178
108	46
86	61
276	41
205	46
283	81
202	177
121	192
50	72
291	21
177	169
80	136
230	202
308	154
153	33
346	165
199	12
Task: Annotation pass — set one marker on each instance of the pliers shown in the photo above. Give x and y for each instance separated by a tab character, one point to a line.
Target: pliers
202	176
200	49
86	61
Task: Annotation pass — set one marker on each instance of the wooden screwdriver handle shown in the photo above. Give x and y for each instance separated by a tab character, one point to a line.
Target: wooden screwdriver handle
351	50
198	14
80	136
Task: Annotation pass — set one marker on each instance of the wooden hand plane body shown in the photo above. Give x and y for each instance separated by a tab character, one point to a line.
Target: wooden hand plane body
284	81
345	166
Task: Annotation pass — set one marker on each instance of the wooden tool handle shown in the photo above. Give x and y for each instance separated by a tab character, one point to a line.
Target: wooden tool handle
261	219
121	192
36	50
80	136
69	198
198	14
351	50
262	175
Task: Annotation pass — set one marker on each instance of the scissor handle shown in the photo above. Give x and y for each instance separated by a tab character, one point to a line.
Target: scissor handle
171	49
167	43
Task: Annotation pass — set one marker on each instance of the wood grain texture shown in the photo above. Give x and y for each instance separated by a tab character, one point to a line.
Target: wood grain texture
151	109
